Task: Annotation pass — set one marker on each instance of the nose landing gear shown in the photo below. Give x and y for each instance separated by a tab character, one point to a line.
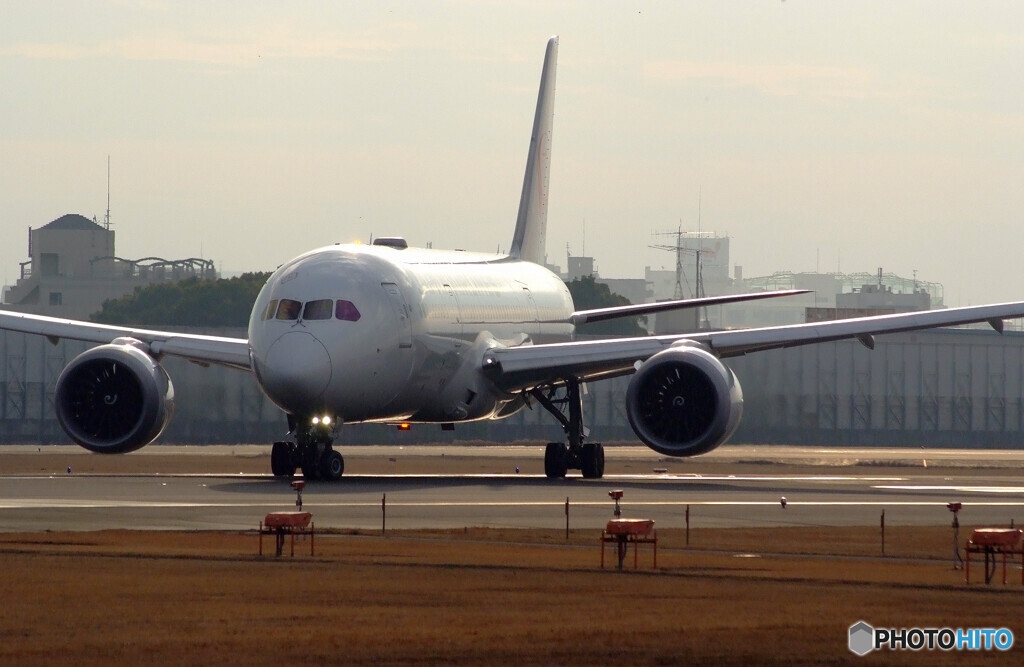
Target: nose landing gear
312	451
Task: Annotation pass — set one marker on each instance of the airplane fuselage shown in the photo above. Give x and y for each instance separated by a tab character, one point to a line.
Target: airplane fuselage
365	333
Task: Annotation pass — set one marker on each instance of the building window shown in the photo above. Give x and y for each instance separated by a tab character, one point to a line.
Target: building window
50	263
56	298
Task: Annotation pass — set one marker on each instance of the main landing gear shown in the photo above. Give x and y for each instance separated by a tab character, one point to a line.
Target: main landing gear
575	454
312	452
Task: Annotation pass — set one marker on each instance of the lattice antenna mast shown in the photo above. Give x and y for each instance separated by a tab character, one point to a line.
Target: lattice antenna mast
679	248
700	248
678	293
106	218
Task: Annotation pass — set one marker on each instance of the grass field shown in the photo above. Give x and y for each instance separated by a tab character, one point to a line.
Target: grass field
480	596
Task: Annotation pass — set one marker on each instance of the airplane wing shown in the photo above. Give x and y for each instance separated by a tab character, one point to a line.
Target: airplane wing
219	350
600	314
518	368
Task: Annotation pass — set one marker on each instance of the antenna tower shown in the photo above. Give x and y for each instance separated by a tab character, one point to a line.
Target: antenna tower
106	218
680	249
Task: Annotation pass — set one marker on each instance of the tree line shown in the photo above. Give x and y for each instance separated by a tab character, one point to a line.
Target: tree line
191	302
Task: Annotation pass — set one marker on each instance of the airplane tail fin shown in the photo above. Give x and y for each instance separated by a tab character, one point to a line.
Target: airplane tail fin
532	222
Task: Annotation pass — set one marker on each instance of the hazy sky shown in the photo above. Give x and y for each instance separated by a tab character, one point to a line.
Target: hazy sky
821	135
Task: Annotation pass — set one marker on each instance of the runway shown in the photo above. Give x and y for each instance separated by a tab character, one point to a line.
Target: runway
831	495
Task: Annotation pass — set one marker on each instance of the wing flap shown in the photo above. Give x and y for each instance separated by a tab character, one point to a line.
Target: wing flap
517	368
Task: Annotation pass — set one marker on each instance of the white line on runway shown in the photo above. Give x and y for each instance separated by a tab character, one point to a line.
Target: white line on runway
962	489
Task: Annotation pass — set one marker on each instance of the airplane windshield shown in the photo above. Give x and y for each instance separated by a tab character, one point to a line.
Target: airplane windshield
318	310
289	309
270	310
346	310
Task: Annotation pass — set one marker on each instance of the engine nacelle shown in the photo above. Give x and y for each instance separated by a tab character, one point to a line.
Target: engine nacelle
114	398
683	401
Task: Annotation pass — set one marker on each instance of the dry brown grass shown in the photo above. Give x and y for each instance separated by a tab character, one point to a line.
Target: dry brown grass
473	596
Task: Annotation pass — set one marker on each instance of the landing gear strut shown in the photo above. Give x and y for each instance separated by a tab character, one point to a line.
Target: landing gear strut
312	451
575	454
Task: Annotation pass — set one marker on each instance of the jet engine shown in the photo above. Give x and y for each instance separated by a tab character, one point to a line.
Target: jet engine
683	401
114	398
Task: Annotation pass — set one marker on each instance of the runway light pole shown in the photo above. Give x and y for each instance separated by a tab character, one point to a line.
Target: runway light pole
616	495
955	509
567	518
883	532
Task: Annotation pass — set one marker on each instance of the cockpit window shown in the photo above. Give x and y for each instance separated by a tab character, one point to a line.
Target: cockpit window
318	310
346	310
289	309
270	310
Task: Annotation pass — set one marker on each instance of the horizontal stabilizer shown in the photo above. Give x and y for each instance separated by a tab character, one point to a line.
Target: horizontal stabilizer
600	314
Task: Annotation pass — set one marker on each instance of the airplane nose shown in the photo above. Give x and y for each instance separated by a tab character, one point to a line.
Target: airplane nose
297	369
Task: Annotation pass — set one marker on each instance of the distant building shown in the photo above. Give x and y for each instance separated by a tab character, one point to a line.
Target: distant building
580	267
637	290
871	300
832	296
72	269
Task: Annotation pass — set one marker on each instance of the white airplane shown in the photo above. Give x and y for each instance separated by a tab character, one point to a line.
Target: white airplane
391	334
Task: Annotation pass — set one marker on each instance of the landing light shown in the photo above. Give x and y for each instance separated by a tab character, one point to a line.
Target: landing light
404	426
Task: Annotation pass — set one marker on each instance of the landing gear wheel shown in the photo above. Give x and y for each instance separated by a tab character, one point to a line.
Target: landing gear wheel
281	463
592	461
332	465
556	459
310	463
